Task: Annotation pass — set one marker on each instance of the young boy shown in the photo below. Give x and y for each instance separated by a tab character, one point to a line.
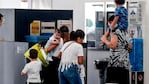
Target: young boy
32	69
121	16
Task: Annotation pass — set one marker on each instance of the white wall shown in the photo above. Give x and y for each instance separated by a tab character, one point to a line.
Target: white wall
76	5
78	10
10	3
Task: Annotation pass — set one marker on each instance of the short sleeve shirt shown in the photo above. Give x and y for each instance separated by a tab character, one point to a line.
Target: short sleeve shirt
119	55
123	17
33	69
70	52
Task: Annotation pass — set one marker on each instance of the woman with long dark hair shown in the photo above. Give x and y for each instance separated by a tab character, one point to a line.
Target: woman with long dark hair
71	56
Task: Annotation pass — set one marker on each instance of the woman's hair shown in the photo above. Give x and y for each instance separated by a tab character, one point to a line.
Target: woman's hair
72	35
111	18
64	33
80	33
64	29
77	34
119	1
33	53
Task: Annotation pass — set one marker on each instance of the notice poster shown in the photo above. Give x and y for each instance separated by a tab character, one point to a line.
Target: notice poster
47	27
35	27
133	31
133	13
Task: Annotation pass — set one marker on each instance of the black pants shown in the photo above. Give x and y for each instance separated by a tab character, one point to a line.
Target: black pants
50	73
117	75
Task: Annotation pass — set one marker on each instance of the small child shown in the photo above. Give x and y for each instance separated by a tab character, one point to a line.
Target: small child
121	16
33	68
53	40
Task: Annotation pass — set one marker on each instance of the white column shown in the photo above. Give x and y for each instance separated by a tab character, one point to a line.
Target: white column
146	42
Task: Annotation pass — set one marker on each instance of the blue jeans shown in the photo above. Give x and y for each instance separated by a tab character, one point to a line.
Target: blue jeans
70	75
